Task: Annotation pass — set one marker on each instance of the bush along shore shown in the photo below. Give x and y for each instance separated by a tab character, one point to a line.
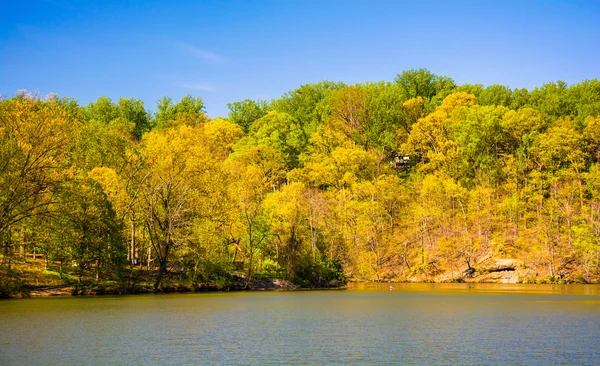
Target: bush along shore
32	280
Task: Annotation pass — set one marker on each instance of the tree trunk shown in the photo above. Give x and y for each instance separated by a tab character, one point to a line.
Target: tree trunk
250	268
22	244
132	249
162	269
8	249
149	259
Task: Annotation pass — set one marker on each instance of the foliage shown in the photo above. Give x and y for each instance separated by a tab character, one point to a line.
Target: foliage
318	275
244	113
416	179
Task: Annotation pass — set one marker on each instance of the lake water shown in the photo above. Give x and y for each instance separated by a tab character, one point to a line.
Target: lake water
368	324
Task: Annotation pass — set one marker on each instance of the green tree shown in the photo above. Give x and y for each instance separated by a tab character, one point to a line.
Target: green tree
88	230
130	114
430	143
280	132
482	142
309	104
250	227
189	110
286	209
422	83
171	188
37	138
244	113
500	95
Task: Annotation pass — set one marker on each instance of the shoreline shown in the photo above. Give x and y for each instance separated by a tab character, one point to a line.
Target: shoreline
72	291
28	291
32	283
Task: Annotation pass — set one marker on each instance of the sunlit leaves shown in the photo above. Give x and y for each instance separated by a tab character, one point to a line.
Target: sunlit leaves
430	141
37	138
423	83
560	146
415	179
189	111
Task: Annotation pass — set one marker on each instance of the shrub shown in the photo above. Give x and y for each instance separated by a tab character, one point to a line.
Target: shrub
318	274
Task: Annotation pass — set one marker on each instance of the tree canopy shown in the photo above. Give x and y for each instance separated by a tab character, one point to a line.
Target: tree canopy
414	179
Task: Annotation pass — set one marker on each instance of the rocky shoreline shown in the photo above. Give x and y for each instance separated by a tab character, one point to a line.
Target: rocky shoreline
500	270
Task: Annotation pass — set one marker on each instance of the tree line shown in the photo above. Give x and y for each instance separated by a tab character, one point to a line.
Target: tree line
400	180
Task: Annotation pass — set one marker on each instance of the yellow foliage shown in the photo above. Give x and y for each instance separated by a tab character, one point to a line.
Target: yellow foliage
113	187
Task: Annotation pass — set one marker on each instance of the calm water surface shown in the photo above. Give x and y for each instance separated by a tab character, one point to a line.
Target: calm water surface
368	324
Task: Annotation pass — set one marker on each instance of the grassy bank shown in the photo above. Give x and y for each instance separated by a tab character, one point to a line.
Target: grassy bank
34	278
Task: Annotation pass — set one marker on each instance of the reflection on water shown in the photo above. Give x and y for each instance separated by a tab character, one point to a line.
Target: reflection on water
490	288
366	324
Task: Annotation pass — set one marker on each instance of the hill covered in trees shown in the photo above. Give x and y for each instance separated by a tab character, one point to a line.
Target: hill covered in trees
416	179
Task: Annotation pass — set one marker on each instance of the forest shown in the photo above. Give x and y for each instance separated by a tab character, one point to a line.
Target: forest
415	179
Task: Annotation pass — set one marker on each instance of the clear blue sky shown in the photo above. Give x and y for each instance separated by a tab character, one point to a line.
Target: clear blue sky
225	51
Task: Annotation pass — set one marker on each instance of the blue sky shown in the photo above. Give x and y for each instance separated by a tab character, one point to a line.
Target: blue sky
225	51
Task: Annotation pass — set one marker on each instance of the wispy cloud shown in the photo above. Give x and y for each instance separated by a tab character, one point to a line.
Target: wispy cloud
198	87
200	53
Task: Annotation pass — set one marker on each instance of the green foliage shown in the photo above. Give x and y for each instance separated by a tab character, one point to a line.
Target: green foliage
280	132
422	83
415	179
495	95
129	114
88	231
189	110
320	274
482	141
309	104
244	113
37	138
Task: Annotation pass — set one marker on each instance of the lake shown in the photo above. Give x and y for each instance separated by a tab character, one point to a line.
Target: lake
365	324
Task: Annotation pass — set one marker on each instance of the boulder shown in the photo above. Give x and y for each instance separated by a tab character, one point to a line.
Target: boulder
500	265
